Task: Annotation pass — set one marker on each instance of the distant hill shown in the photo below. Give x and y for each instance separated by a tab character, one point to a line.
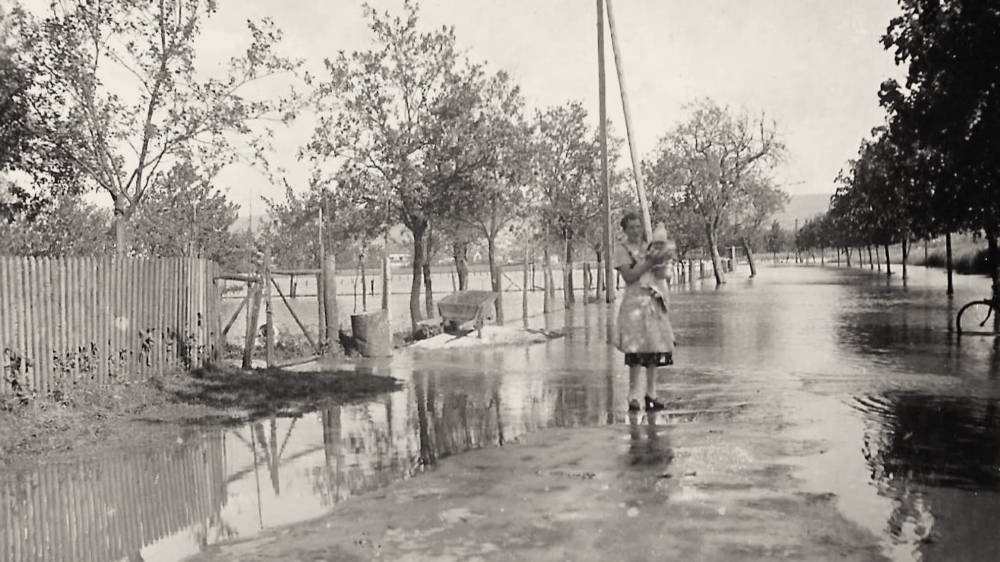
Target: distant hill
803	207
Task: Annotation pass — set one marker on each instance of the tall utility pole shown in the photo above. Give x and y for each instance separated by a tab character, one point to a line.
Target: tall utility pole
609	289
633	149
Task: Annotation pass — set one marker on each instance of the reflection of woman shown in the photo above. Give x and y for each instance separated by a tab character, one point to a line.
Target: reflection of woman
643	331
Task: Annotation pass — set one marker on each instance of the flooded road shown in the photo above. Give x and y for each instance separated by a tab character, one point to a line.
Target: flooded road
874	399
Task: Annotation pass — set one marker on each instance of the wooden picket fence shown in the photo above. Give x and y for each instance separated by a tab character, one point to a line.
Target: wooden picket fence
73	320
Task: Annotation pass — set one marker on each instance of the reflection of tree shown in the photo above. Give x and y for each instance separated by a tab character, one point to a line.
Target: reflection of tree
922	442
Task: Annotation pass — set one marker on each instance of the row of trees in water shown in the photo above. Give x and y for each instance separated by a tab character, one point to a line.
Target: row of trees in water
931	169
410	131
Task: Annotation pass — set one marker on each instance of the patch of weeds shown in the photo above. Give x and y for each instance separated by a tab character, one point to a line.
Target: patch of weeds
270	391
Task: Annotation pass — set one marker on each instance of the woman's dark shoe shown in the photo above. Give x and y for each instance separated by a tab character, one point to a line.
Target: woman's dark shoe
654	405
633	405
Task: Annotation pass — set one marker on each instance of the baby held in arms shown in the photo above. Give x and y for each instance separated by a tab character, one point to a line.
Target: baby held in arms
656	279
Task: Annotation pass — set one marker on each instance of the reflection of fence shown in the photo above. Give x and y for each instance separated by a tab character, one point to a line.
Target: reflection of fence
102	318
109	510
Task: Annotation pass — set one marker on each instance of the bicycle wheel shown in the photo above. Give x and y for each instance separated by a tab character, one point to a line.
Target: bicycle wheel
977	317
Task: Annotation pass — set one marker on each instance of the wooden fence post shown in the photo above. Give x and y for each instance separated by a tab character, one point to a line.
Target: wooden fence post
321	312
268	312
251	333
331	313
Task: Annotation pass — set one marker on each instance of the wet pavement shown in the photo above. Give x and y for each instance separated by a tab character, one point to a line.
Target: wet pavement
813	413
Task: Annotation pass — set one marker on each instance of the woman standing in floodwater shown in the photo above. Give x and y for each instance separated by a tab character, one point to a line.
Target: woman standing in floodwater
643	331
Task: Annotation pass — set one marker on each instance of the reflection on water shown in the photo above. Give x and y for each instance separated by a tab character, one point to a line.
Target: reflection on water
649	444
938	459
943	441
924	422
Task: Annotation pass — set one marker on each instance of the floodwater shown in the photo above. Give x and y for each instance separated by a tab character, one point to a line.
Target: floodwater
906	411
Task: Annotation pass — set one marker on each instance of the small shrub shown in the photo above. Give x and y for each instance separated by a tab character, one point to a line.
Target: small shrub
972	261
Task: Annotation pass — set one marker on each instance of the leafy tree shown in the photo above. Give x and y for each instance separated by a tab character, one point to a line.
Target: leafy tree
776	240
125	138
389	101
19	203
623	198
567	178
946	117
760	200
885	206
670	204
30	123
813	235
484	166
183	215
63	226
292	232
713	157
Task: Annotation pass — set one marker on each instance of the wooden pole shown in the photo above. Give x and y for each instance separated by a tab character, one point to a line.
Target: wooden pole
320	283
251	327
386	275
524	282
268	312
633	149
605	182
331	312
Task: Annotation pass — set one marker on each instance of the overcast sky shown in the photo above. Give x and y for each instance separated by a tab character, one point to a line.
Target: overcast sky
813	65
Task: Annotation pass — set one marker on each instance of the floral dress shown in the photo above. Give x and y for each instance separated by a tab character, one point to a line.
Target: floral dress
643	331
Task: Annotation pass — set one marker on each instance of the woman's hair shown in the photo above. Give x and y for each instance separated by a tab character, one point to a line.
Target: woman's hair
628	217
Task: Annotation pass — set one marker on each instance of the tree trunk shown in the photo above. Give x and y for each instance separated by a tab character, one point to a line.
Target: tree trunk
847	255
601	282
750	260
905	247
495	285
993	256
119	218
822	255
547	276
568	297
460	252
947	253
524	285
418	262
888	267
871	262
428	291
713	247
878	260
364	282
429	251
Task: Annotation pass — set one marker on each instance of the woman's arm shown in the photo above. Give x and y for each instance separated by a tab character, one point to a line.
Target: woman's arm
632	273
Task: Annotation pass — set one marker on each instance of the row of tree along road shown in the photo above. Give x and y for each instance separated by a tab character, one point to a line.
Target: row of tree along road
411	131
932	169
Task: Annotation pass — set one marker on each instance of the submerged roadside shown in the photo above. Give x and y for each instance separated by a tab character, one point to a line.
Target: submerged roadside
96	419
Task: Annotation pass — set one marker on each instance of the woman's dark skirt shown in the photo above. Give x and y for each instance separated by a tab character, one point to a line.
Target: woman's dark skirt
649	359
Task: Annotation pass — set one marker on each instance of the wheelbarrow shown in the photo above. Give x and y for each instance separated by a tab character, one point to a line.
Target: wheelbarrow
460	310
